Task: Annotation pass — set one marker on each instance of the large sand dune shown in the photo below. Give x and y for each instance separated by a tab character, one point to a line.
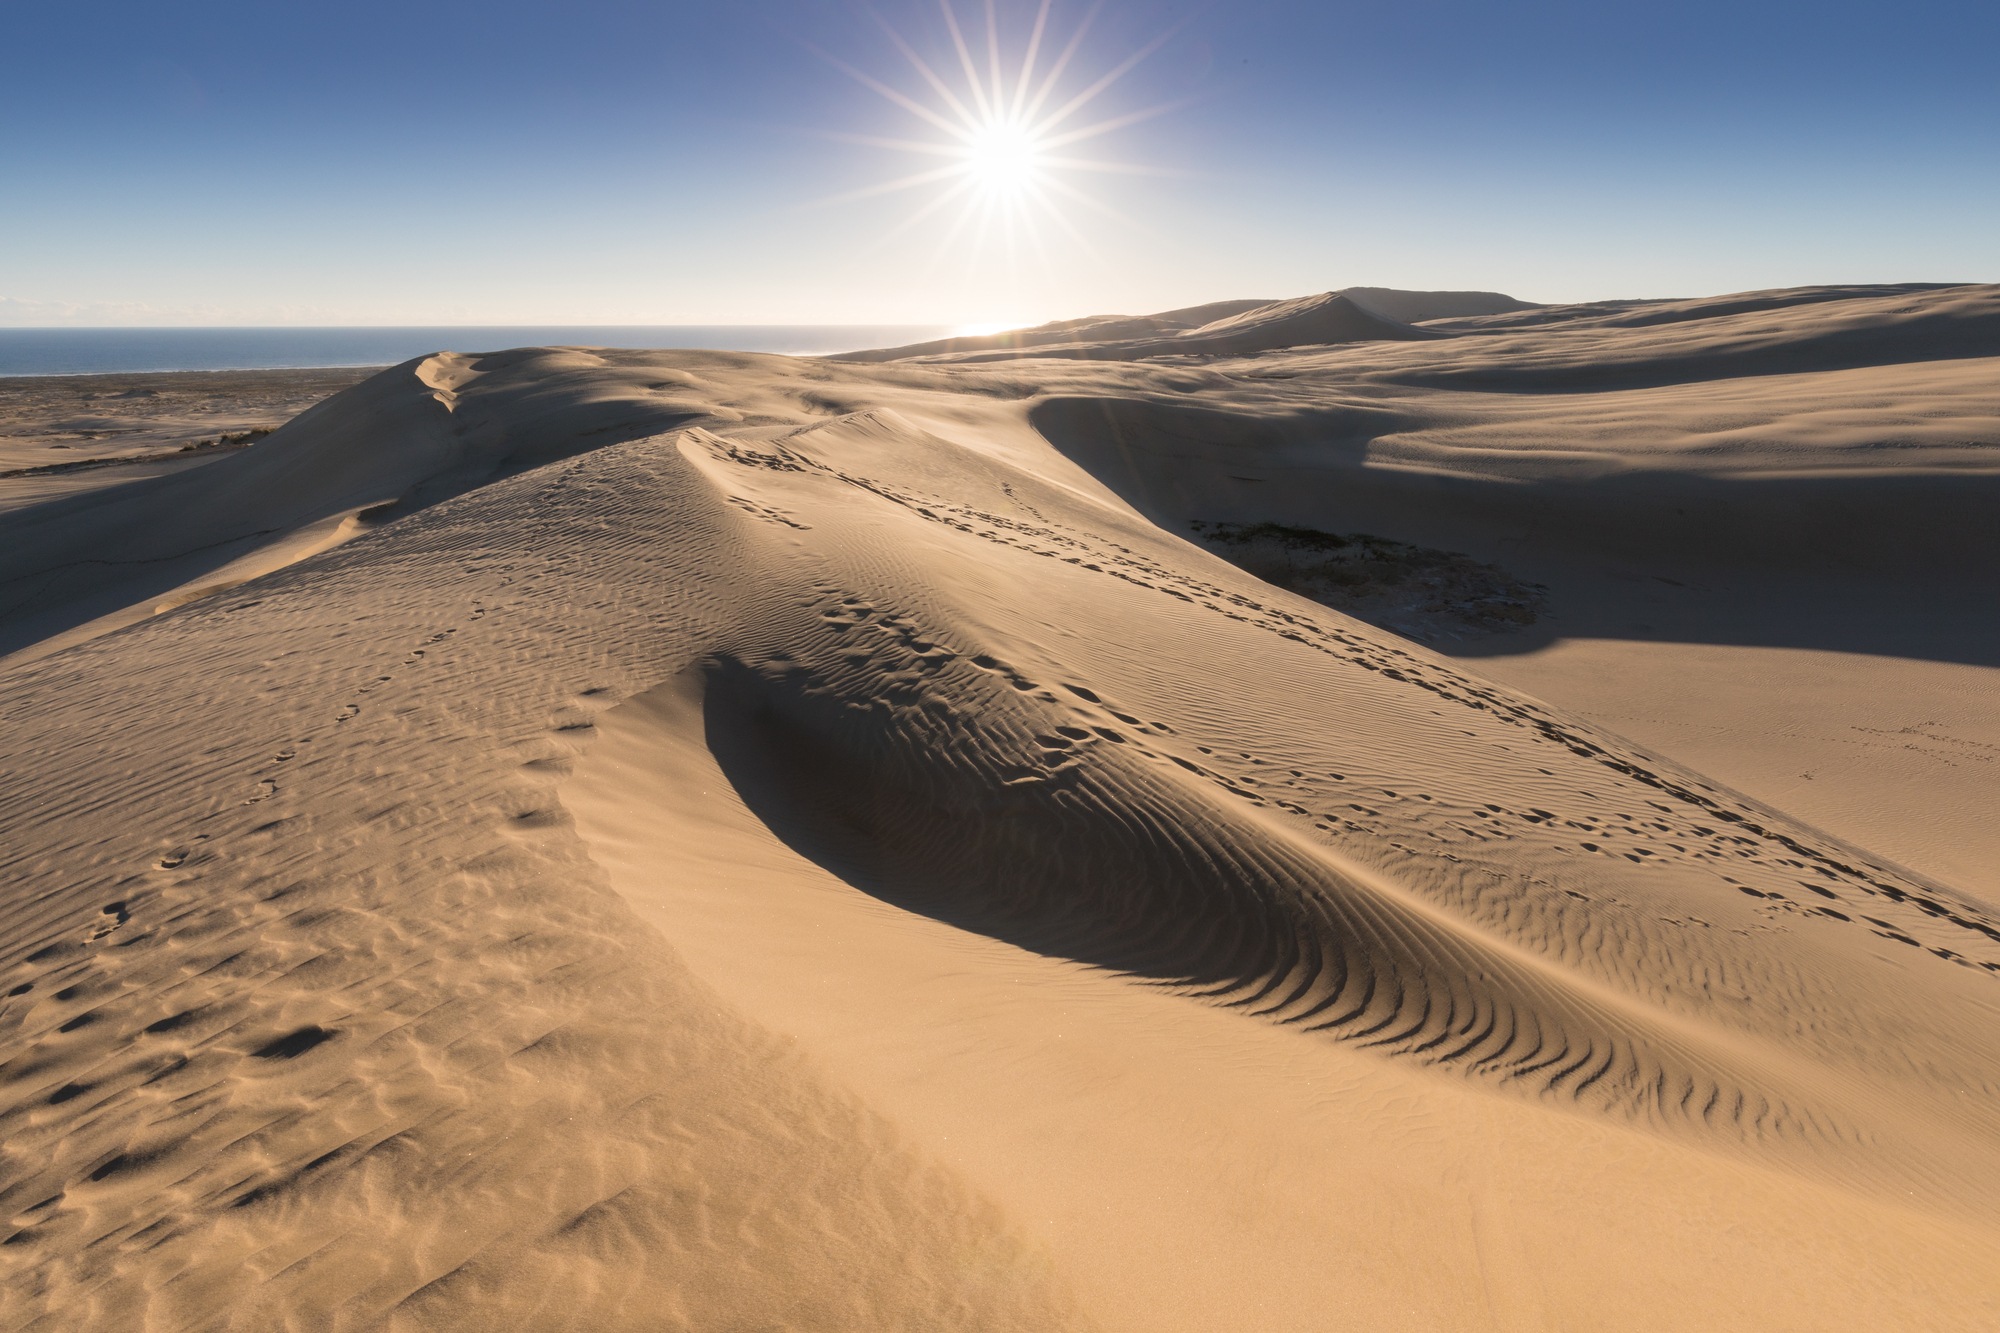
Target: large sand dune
586	839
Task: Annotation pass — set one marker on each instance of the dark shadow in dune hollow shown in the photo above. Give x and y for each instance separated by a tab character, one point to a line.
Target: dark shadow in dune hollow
1111	871
932	824
1898	565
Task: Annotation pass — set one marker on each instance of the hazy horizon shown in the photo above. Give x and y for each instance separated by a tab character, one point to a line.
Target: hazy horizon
623	164
930	328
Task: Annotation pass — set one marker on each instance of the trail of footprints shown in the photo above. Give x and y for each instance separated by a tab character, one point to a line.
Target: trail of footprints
1694	819
768	513
1705	825
59	966
1061	745
178	1098
268	787
1317	981
1649	813
78	979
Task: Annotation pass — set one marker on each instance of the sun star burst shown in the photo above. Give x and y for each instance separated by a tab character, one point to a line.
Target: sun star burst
1001	130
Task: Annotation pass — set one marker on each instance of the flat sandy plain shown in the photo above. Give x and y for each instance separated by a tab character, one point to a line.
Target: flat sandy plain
60	433
585	839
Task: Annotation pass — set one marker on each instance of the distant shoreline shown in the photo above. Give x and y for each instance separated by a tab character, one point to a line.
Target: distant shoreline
65	351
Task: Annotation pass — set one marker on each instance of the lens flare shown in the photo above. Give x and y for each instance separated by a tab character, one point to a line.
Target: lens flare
1001	130
1002	157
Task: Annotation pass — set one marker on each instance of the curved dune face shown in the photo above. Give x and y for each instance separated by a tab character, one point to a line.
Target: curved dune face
751	842
975	708
912	759
1075	841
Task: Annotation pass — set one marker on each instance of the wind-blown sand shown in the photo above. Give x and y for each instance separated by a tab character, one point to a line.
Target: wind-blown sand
587	839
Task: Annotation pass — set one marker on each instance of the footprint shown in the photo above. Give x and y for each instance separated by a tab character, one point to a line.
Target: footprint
119	914
986	662
179	855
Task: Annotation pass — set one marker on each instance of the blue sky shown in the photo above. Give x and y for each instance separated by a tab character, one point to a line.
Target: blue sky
602	161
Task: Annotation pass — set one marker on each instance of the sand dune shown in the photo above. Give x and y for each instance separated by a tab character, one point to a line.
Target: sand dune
1231	328
1422	307
684	840
1065	332
1311	320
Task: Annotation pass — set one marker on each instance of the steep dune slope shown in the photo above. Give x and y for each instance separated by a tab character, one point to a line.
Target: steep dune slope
1310	320
391	445
782	844
1421	307
1641	345
1775	577
1223	328
1235	896
1063	332
1307	321
1635	314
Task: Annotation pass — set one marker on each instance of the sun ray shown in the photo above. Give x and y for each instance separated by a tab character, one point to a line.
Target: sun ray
1090	201
979	98
912	222
909	104
1055	74
1110	168
916	219
982	223
993	59
929	75
1001	144
956	152
1107	126
1117	72
965	218
1028	57
1062	220
1035	235
901	183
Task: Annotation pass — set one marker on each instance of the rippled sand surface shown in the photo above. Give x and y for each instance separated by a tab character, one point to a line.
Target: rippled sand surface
571	838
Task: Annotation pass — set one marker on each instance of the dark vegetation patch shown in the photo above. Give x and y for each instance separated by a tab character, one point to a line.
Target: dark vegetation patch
228	440
1417	591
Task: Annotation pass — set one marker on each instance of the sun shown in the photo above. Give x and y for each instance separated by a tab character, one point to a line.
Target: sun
1004	157
1000	130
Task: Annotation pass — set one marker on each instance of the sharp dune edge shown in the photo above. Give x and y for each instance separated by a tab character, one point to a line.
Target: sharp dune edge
569	838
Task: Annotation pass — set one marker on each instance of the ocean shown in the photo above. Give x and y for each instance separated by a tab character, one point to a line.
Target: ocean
78	351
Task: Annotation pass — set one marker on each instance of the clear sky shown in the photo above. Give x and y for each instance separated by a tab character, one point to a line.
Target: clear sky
610	161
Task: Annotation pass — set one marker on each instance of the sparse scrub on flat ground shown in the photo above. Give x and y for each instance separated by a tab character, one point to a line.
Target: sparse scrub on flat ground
1416	590
227	440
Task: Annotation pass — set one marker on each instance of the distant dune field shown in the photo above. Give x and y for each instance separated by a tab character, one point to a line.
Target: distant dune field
1382	810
